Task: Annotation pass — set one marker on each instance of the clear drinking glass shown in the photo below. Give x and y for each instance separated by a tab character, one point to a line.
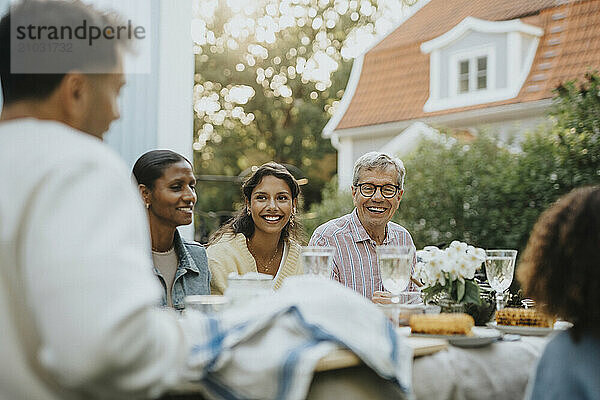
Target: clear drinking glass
500	269
317	260
395	265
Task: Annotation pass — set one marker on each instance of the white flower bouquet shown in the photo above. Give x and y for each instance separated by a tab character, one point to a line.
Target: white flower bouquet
450	272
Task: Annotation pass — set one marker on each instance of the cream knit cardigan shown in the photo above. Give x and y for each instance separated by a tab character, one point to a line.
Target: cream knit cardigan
231	254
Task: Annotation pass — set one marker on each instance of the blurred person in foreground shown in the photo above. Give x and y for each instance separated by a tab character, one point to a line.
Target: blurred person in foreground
377	188
77	293
262	237
168	187
78	314
560	271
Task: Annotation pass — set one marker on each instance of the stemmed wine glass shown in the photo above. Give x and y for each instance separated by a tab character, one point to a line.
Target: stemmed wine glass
395	265
317	260
499	269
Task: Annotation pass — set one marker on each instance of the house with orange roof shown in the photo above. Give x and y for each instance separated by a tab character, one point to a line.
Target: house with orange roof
463	64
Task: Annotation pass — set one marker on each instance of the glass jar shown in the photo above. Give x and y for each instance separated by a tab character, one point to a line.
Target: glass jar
241	288
447	303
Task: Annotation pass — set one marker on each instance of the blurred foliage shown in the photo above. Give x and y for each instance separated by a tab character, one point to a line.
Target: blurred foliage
460	191
487	193
269	75
334	205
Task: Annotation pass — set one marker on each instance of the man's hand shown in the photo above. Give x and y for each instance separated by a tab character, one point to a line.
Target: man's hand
382	297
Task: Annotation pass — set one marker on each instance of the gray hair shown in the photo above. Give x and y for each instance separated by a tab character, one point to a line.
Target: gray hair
377	160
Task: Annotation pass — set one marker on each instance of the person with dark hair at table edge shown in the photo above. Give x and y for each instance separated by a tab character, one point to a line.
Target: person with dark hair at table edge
168	187
263	236
377	188
559	270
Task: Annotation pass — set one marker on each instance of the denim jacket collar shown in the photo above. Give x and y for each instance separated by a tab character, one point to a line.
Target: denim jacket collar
185	259
188	277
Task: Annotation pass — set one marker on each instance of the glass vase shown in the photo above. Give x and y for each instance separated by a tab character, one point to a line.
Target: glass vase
447	303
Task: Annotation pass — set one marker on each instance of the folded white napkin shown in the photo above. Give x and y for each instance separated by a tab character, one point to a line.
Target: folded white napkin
268	348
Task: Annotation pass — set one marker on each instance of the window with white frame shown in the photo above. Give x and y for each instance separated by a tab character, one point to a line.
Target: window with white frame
471	71
472	74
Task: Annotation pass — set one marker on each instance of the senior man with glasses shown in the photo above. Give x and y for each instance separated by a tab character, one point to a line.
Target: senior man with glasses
377	188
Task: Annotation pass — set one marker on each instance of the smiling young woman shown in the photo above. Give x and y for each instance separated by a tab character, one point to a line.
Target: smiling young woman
263	236
168	187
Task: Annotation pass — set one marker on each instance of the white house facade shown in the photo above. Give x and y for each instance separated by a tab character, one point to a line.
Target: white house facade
465	64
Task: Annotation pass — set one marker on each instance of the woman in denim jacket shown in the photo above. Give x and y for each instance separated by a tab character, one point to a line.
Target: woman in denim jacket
168	187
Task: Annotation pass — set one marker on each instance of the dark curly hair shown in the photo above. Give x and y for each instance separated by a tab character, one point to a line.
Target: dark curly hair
243	223
559	268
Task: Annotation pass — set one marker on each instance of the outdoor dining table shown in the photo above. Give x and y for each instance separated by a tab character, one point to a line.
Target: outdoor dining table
440	371
500	370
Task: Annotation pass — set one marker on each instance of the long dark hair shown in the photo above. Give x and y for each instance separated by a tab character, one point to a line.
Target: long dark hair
152	165
242	222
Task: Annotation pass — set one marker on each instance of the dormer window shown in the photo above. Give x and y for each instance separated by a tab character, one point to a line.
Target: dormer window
479	62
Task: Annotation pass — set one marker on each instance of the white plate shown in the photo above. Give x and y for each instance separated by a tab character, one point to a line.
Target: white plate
523	330
481	337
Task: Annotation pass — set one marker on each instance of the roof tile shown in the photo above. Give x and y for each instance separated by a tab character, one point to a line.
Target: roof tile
394	83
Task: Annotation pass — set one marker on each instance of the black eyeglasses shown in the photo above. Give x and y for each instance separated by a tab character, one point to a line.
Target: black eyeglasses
368	189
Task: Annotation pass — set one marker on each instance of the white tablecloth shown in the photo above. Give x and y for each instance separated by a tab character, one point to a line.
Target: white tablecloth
498	371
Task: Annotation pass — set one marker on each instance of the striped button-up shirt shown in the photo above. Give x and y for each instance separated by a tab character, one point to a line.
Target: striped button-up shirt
355	260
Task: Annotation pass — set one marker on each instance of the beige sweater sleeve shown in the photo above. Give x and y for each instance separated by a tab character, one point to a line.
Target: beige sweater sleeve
218	274
228	255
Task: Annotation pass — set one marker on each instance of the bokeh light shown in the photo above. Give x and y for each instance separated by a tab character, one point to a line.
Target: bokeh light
285	44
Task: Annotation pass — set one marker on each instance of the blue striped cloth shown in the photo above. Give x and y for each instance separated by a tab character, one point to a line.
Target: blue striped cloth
268	349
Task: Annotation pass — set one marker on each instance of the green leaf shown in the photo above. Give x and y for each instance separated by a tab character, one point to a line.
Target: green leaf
431	291
471	293
460	290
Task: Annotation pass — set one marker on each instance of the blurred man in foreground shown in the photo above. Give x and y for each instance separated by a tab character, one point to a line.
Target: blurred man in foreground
72	233
78	315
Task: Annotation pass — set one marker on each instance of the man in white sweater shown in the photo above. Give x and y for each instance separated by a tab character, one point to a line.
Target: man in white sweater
78	315
77	293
